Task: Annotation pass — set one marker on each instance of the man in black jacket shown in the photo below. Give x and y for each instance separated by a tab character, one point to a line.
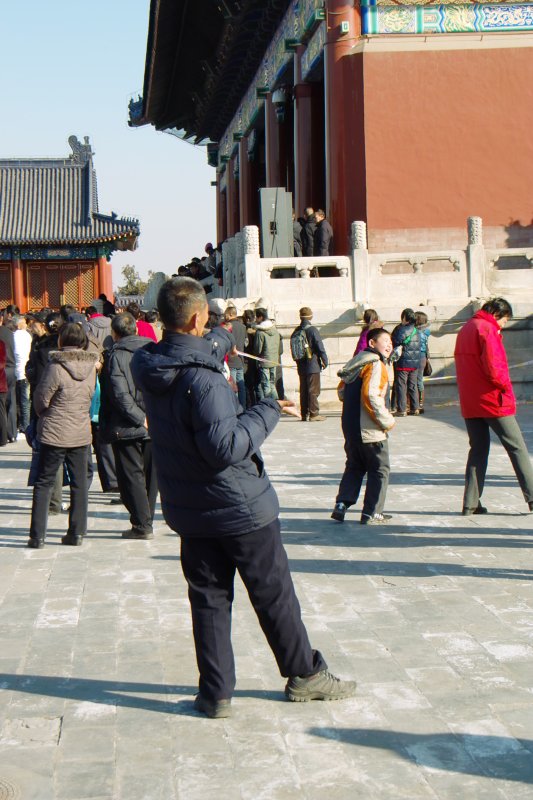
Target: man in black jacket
216	494
308	232
309	368
323	235
123	424
6	336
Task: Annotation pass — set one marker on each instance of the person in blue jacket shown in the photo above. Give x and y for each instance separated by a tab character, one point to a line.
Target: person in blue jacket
216	494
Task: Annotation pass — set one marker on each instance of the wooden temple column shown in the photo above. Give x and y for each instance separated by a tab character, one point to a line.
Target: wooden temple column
345	175
17	278
221	212
232	200
105	279
247	189
275	147
308	144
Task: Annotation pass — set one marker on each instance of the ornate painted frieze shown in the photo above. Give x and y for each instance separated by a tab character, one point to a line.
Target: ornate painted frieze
5	254
447	18
314	50
55	253
366	3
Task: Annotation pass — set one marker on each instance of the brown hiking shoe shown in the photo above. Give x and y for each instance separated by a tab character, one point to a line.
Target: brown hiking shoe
317	418
321	686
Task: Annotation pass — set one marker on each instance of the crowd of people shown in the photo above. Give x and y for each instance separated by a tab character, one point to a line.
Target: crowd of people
179	401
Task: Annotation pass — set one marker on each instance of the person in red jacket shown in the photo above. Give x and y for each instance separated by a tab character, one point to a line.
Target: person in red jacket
488	402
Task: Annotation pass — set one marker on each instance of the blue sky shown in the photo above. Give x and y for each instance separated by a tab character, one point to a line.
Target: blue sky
70	67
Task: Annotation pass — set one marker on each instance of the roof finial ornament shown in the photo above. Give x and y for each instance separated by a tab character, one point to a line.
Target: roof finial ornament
81	153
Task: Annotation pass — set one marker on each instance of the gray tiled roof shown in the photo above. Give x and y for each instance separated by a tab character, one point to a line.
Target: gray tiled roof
55	201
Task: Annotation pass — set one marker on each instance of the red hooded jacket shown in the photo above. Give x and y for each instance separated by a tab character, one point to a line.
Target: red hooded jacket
483	380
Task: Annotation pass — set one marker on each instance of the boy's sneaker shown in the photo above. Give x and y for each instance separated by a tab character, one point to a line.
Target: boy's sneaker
322	686
217	709
374	519
339	511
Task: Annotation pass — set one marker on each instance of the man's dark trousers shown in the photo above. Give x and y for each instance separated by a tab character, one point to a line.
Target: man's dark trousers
105	460
137	481
372	460
209	566
11	403
309	392
508	432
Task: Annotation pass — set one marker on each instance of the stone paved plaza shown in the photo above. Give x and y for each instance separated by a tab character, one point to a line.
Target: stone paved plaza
432	615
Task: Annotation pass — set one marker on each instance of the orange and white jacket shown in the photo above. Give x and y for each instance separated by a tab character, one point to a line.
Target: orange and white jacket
365	415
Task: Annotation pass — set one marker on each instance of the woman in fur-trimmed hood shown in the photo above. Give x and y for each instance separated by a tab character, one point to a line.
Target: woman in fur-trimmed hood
62	401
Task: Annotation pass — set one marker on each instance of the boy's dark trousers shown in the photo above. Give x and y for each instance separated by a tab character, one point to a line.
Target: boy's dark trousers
209	566
371	460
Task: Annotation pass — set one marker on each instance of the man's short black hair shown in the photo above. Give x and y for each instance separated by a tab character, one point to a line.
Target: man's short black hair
261	312
73	335
408	315
90	310
375	333
124	325
178	300
66	311
134	309
498	307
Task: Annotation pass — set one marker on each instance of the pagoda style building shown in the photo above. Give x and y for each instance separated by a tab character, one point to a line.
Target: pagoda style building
55	244
407	115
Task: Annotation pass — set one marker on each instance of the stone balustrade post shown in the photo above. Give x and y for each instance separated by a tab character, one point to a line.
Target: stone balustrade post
252	282
476	259
360	263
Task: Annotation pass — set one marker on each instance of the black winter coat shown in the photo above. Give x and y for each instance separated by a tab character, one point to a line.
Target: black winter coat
211	476
410	358
323	239
312	366
308	238
38	360
122	411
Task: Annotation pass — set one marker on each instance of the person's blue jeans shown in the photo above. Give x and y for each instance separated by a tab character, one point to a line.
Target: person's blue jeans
266	383
238	377
23	404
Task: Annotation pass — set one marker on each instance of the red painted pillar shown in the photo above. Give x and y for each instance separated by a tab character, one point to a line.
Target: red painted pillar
105	281
17	277
275	146
345	166
309	153
246	187
221	216
232	199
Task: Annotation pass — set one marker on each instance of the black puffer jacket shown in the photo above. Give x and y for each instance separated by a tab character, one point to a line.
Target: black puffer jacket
206	450
38	360
122	411
410	358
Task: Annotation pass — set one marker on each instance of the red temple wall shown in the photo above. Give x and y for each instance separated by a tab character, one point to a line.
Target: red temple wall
448	134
